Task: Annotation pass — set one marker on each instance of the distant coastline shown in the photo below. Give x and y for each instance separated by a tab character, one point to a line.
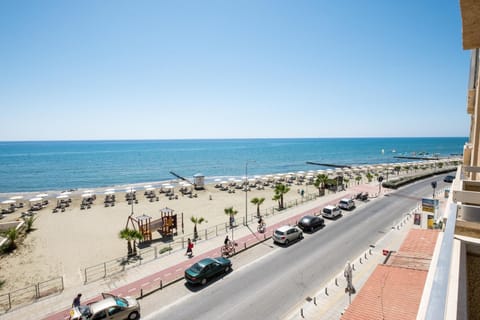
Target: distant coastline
39	166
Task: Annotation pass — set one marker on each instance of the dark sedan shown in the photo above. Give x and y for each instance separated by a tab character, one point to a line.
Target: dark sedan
205	269
310	223
449	179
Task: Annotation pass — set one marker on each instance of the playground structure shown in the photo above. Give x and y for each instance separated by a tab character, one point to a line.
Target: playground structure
166	225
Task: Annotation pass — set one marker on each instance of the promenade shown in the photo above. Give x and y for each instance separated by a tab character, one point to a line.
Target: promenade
158	273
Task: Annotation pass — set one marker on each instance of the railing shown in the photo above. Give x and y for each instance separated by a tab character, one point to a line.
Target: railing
438	293
30	293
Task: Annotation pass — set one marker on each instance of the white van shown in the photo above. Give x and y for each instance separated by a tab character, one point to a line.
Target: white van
346	204
331	212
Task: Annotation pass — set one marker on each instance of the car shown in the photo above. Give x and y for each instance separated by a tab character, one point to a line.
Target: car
346	204
110	307
205	269
311	223
331	212
287	234
449	179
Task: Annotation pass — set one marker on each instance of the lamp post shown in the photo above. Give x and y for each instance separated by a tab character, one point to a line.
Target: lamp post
246	190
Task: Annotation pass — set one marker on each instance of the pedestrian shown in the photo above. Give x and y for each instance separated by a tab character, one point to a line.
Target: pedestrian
226	241
189	248
76	301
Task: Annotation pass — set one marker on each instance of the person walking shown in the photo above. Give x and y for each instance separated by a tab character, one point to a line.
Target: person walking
226	241
189	248
76	301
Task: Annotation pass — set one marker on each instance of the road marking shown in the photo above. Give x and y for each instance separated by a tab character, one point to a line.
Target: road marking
157	279
168	274
179	269
131	290
145	284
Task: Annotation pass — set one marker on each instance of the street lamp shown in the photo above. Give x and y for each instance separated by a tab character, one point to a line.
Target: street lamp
246	190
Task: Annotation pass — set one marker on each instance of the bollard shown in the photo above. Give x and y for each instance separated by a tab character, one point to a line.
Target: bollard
336	282
161	285
141	293
326	291
353	266
301	312
370	251
245	245
361	260
365	256
315	300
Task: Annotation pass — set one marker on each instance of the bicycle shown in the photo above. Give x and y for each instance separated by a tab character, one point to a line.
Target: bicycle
261	227
228	249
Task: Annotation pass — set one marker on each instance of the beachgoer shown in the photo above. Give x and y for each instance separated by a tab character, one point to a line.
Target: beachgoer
76	301
189	248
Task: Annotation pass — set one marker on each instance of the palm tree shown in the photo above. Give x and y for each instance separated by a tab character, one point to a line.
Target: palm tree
230	212
196	220
257	202
397	169
358	178
369	177
280	190
29	223
130	235
346	180
320	182
12	235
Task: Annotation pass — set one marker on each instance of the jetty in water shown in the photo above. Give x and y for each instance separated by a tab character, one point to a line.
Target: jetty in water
328	165
417	158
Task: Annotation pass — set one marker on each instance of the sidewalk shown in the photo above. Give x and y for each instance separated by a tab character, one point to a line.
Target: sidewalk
153	275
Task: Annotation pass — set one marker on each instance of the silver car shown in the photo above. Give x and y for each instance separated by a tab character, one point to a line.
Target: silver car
287	234
110	307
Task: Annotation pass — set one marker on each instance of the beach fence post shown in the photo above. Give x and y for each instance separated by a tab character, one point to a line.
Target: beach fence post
86	280
104	269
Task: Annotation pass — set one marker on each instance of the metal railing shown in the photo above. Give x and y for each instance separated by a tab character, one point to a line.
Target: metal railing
30	293
439	290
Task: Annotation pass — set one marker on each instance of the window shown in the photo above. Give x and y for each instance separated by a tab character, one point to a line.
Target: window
100	315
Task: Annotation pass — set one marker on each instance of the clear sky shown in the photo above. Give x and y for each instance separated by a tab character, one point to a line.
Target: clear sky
112	69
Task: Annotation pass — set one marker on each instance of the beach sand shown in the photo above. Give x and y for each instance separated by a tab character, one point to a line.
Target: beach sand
65	243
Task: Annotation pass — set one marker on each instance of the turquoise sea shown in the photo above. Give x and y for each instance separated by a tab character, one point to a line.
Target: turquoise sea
61	165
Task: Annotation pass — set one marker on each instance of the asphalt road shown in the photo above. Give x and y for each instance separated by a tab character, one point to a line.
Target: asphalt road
269	281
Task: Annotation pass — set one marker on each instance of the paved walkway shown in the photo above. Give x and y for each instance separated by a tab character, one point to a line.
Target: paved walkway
160	272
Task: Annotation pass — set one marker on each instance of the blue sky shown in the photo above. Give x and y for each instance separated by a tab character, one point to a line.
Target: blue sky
74	70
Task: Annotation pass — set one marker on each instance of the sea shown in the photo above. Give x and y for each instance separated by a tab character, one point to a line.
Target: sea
54	166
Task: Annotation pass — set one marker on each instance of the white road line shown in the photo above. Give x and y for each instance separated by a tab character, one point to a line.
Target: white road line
145	284
168	274
133	289
157	279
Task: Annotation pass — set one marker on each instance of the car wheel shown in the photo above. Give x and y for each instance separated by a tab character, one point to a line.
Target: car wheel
300	236
204	281
287	242
134	315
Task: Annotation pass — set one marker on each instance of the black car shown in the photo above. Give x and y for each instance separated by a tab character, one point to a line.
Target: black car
310	223
449	179
205	269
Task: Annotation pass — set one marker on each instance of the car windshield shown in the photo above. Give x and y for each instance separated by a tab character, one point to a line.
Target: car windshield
121	302
279	233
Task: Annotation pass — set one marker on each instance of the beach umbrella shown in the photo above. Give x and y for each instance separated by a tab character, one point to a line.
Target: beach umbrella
109	192
42	195
35	199
16	198
150	189
63	196
87	195
8	201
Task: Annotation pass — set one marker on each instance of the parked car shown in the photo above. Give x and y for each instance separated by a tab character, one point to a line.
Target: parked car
287	234
311	223
110	307
206	269
346	204
449	179
331	212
